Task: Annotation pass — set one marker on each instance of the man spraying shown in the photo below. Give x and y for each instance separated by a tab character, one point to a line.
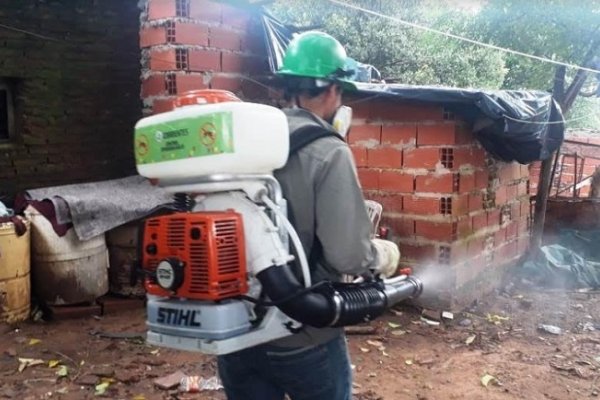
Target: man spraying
328	211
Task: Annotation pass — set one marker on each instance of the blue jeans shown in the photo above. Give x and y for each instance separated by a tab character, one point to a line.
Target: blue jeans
268	372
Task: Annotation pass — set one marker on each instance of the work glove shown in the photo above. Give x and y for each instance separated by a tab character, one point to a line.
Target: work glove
388	257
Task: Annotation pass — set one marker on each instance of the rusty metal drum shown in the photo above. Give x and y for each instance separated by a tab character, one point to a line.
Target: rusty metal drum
122	249
66	270
15	289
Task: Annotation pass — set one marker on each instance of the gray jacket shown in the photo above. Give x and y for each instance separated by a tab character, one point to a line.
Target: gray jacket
324	197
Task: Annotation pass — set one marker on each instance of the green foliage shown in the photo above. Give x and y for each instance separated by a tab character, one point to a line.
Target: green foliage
401	53
563	30
557	29
585	113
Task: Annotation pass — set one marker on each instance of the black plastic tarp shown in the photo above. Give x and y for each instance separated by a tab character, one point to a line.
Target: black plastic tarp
559	267
573	262
522	126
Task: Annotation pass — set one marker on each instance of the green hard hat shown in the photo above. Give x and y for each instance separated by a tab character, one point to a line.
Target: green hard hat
317	55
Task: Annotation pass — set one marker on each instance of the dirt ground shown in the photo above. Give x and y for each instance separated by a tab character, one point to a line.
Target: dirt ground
405	358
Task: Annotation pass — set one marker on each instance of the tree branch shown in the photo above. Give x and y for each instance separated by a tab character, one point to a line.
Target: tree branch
580	77
573	90
558	92
593	93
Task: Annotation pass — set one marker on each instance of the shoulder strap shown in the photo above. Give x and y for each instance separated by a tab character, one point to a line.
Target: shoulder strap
299	139
308	134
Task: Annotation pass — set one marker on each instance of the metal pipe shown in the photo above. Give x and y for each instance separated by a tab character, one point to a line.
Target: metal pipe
567	188
580	177
562	166
408	288
554	166
576	159
581	143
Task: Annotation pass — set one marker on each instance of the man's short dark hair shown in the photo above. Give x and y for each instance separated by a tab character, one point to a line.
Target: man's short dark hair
301	86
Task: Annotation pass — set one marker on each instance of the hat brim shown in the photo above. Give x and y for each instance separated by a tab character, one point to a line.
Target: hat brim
347	85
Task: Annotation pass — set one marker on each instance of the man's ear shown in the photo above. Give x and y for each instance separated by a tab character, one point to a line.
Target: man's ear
335	89
332	91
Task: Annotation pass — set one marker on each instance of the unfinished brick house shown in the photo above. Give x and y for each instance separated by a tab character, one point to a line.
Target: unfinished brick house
570	205
190	44
578	159
447	202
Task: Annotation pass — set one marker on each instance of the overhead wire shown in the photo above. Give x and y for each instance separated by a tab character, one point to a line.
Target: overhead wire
462	38
482	44
395	19
34	34
566	121
375	96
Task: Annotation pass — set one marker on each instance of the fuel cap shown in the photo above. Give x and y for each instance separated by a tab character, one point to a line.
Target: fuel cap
169	274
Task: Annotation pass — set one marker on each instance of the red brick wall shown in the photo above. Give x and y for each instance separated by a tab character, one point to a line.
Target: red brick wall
199	44
76	91
446	202
565	213
565	178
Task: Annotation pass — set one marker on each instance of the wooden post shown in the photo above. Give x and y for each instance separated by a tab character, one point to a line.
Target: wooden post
565	97
539	214
554	166
575	176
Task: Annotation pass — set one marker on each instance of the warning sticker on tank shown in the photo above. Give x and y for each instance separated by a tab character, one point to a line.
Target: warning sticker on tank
200	136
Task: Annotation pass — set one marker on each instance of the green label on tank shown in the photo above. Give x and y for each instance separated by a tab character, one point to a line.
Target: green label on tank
200	136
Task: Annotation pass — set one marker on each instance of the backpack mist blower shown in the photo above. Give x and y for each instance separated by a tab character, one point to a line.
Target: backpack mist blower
217	266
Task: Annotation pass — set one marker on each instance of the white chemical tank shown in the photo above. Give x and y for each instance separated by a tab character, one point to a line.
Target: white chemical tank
211	132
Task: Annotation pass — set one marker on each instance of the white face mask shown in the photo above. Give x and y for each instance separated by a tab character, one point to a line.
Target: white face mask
342	120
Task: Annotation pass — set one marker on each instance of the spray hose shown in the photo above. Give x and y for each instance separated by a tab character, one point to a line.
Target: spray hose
334	304
329	304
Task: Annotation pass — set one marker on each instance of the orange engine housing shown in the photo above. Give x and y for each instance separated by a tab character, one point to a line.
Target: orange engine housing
208	247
